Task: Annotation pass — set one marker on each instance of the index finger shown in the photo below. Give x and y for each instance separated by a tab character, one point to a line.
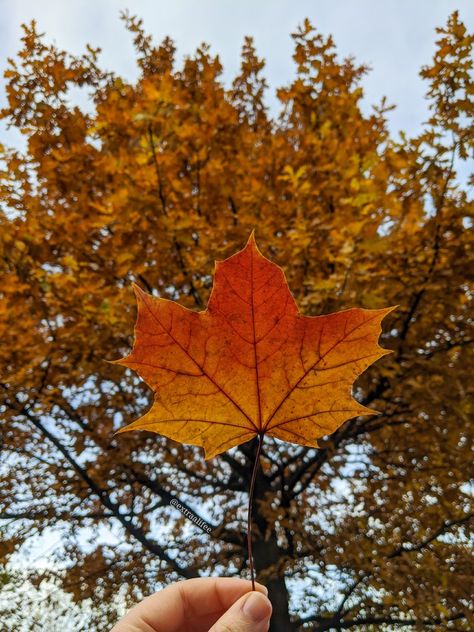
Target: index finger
192	605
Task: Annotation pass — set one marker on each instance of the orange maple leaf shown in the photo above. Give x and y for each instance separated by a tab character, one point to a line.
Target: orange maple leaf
250	364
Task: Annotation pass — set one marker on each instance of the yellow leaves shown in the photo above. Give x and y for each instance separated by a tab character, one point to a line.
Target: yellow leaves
151	91
354	229
299	238
296	179
20	245
123	262
70	262
101	208
323	285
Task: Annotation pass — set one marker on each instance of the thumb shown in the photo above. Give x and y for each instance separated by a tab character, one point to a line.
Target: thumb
250	613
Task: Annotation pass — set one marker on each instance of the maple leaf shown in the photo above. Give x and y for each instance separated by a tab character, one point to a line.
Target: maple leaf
250	364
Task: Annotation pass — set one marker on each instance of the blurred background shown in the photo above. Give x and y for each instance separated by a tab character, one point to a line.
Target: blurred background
342	133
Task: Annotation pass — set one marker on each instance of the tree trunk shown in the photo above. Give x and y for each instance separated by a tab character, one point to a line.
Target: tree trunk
267	555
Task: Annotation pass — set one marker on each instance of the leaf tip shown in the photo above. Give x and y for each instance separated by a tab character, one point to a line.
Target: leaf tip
118	361
252	242
251	239
139	293
121	430
372	412
210	453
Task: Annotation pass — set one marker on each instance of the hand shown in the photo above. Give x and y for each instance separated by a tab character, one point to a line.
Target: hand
208	604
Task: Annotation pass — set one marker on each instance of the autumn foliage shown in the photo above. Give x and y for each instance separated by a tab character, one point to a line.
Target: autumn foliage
250	365
151	183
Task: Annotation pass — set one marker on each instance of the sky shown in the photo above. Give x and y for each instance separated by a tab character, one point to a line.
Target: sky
394	37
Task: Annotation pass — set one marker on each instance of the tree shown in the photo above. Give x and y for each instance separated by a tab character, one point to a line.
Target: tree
25	607
162	177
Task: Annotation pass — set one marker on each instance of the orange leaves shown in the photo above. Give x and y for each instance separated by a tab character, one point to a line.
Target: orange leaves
250	364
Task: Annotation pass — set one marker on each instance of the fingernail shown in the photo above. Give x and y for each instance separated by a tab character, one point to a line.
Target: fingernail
257	607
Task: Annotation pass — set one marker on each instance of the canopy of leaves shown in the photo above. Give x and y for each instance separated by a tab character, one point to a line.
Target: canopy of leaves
150	185
25	607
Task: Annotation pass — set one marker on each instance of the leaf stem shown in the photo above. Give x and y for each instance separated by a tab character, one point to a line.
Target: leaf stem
249	515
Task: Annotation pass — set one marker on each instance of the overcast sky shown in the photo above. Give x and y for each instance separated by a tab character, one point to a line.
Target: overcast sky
395	37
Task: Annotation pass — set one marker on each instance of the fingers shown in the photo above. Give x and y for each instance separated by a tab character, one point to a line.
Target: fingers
193	604
251	613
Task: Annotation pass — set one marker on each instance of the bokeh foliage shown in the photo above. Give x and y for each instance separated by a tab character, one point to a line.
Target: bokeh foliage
151	183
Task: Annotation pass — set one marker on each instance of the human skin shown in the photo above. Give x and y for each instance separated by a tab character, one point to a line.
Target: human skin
207	604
